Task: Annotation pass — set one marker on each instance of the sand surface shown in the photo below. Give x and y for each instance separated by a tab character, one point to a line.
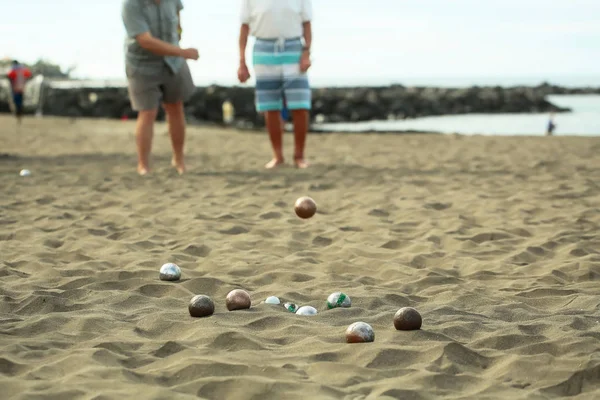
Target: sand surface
494	240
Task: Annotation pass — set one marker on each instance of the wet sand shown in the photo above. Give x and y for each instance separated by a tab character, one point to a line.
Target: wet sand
495	240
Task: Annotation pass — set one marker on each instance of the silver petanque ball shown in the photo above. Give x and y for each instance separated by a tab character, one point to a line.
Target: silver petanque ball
25	172
291	307
338	299
170	272
307	310
360	332
272	300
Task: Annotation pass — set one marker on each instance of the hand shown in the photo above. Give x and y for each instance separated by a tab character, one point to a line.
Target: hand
243	73
305	61
190	54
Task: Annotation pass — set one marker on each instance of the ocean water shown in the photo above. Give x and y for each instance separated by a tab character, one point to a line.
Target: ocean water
583	120
564	80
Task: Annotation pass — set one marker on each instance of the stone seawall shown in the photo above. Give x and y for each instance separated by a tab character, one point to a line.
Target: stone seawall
110	100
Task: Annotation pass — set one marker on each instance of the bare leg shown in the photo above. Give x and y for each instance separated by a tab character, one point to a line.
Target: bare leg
300	119
176	121
144	130
274	127
19	115
164	106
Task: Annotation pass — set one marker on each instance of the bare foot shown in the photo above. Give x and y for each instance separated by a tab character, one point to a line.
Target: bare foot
274	163
300	163
142	170
179	166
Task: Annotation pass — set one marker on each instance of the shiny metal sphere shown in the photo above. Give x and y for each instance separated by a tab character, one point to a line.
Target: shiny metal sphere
238	299
338	299
305	207
272	300
201	306
360	332
170	272
407	319
307	310
291	307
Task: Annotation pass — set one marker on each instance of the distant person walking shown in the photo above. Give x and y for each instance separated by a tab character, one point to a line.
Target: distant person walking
18	76
281	59
551	125
157	71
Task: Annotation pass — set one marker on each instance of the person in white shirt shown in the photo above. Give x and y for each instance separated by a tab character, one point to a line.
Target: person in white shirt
281	59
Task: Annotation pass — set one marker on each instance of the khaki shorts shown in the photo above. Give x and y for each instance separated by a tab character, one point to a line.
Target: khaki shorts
147	91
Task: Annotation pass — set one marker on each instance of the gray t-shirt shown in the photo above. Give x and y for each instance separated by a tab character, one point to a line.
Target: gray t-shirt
161	20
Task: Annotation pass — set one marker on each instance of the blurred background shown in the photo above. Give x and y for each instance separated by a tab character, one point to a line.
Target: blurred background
433	43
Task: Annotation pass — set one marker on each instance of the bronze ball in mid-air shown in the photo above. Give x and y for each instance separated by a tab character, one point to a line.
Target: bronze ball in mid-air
305	207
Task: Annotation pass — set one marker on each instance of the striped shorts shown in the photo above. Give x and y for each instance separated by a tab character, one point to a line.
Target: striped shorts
278	77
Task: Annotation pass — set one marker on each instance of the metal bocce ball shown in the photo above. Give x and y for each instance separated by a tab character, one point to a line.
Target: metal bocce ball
338	299
305	207
360	332
170	272
306	310
407	319
201	306
238	299
272	300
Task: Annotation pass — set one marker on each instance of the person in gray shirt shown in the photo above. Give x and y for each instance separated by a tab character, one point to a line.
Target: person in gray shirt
157	70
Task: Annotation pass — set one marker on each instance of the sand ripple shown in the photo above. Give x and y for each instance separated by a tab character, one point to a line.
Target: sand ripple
494	240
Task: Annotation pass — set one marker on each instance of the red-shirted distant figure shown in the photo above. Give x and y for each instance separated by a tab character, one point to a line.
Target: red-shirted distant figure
18	76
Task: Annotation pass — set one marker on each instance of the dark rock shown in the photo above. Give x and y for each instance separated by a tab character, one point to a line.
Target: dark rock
351	104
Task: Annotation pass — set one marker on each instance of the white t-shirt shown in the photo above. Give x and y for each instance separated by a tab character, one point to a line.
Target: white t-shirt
274	19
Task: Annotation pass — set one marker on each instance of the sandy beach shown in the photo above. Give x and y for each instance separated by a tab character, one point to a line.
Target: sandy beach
494	240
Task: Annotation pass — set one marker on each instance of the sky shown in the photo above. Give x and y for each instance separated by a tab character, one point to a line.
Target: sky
356	42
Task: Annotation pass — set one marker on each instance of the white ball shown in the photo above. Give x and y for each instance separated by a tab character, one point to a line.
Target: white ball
25	172
307	310
170	272
338	299
272	300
